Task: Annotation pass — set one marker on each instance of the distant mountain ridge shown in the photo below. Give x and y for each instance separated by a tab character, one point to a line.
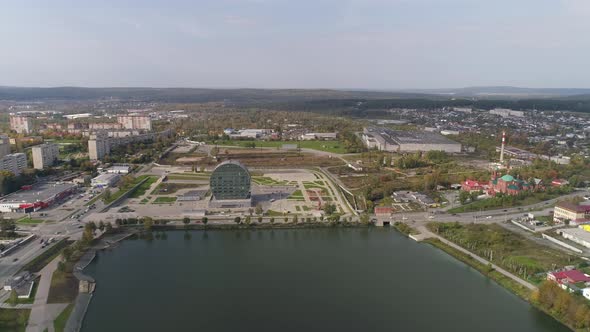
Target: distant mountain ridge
504	91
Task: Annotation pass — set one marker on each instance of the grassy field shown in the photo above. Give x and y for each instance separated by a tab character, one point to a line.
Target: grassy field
47	256
141	190
501	279
267	181
14	320
28	220
166	188
63	289
326	146
164	200
511	251
59	324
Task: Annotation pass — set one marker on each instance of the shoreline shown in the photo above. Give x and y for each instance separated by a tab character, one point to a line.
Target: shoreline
507	283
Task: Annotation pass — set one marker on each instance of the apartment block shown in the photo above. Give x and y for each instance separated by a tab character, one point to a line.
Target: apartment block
45	155
14	163
142	122
21	124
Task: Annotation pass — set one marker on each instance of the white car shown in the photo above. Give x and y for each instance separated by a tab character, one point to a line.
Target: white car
489	217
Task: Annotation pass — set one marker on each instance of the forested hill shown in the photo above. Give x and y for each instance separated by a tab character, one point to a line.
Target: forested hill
189	95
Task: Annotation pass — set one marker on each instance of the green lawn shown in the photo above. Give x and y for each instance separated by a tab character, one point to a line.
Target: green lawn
28	220
59	324
164	200
63	289
511	251
141	190
14	320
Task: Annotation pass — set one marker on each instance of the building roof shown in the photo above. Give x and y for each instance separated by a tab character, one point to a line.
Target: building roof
573	207
507	178
38	193
571	275
383	210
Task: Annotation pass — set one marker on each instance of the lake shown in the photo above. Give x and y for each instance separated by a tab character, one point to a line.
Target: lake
362	279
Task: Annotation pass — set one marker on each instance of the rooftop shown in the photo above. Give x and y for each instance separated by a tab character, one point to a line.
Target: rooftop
39	192
397	137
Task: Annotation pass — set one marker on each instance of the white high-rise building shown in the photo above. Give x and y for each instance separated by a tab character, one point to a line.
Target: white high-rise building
21	124
45	155
14	163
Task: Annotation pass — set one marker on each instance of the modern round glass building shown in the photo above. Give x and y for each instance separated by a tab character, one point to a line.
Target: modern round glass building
230	180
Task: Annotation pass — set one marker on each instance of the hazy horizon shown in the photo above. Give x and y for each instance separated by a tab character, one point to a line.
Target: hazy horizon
373	45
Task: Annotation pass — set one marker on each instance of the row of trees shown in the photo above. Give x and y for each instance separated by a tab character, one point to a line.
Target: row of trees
570	308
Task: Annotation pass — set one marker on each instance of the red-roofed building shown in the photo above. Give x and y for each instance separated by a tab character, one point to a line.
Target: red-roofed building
571	213
559	182
568	277
472	185
383	211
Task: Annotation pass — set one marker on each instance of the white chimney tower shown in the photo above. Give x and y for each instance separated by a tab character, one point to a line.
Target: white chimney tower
502	147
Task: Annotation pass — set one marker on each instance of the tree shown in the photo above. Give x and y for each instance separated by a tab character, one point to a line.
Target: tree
186	220
259	219
108	228
364	218
148	223
237	220
67	253
101	226
329	208
106	195
259	209
204	220
295	219
463	196
250	211
7	228
13	299
286	219
272	220
61	266
248	220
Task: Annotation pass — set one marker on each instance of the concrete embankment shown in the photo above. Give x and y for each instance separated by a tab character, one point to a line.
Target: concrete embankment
87	284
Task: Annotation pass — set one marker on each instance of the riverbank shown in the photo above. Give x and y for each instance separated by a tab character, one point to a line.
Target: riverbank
253	225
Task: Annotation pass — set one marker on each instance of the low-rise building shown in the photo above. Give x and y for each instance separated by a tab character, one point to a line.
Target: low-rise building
577	235
22	283
105	180
119	169
318	136
574	214
36	197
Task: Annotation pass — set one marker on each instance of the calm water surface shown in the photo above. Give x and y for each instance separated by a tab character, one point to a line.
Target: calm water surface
297	280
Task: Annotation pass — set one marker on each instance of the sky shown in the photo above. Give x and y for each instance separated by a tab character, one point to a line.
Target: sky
340	44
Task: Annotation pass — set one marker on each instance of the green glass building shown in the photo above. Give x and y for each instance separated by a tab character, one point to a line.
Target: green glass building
230	180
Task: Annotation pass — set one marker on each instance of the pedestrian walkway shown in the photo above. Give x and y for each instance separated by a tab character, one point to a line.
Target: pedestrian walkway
425	233
43	314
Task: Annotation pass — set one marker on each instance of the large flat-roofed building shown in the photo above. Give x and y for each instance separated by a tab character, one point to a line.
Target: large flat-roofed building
4	145
571	213
21	124
319	136
45	155
135	121
105	180
385	139
36	197
14	163
230	185
506	113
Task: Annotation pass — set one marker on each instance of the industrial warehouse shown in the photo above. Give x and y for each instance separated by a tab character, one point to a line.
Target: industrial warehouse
37	197
385	139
